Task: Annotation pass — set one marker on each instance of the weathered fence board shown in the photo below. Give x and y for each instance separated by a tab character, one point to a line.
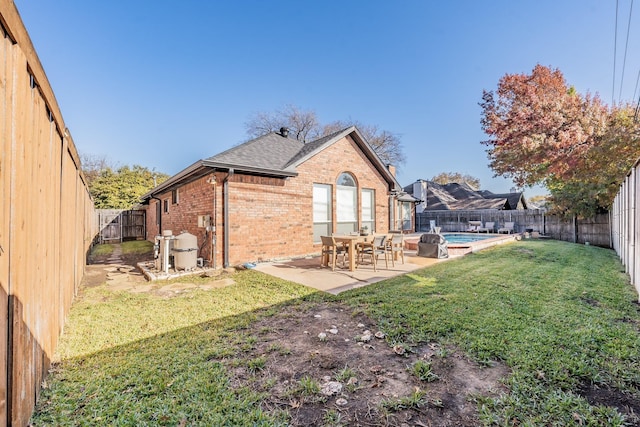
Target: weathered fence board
626	225
458	220
596	231
6	81
117	225
46	221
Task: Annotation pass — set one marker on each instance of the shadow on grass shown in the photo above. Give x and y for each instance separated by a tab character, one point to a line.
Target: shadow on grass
168	378
556	324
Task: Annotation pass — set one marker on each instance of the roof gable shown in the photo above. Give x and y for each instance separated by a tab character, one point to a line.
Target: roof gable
275	155
314	147
271	152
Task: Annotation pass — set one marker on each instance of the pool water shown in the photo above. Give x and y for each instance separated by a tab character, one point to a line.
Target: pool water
465	238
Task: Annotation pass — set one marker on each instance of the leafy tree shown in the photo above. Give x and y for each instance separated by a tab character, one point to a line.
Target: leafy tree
544	132
93	165
305	127
122	188
448	177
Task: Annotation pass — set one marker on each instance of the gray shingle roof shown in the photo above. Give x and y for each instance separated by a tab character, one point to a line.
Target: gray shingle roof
271	151
273	155
312	146
454	196
514	199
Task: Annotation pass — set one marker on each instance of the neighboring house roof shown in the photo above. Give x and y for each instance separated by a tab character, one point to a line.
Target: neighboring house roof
516	199
273	155
455	196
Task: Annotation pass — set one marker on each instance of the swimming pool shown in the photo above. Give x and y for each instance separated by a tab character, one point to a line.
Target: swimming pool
456	238
464	243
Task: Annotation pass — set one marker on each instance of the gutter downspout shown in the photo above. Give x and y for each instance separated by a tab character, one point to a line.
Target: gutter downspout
214	234
214	222
225	207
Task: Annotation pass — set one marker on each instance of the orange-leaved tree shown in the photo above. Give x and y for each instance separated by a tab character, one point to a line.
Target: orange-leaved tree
544	132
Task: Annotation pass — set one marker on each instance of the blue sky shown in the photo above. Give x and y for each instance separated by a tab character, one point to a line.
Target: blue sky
165	83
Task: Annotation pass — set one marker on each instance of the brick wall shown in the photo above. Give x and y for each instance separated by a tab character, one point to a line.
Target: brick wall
194	199
270	218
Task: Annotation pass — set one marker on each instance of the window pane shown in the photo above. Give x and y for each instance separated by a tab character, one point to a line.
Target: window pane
321	211
346	227
347	208
321	230
367	205
406	216
346	179
321	203
370	226
368	210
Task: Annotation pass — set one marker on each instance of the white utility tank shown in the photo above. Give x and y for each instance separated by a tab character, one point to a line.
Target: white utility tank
185	251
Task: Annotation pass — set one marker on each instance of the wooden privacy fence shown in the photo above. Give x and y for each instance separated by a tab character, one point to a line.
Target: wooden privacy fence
46	221
593	231
596	230
117	225
626	225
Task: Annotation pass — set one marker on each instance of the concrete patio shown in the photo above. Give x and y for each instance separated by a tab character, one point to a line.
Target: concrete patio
309	272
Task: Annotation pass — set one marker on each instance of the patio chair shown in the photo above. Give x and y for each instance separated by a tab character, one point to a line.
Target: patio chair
488	227
474	226
433	246
373	249
432	226
396	244
332	249
508	228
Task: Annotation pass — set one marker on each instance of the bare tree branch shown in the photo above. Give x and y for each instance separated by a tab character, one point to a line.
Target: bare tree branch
304	126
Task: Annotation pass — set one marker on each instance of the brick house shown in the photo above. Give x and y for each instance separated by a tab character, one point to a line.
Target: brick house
273	197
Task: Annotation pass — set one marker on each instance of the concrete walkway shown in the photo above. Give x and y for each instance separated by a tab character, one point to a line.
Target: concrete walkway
309	272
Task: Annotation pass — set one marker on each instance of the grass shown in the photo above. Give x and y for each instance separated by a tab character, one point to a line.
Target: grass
136	359
559	315
306	386
100	250
136	247
128	248
414	400
423	371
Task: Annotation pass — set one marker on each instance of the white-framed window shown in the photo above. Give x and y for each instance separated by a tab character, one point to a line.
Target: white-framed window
405	215
368	213
346	204
321	211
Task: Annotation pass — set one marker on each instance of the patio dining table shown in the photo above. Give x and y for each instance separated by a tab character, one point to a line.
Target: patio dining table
351	242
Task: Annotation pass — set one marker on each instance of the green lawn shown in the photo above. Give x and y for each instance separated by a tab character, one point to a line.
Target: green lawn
128	248
561	316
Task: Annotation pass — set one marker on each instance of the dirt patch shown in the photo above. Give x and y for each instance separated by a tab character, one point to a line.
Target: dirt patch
94	275
300	353
608	396
123	275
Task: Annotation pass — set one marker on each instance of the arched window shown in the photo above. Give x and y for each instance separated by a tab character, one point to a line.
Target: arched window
346	203
346	180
